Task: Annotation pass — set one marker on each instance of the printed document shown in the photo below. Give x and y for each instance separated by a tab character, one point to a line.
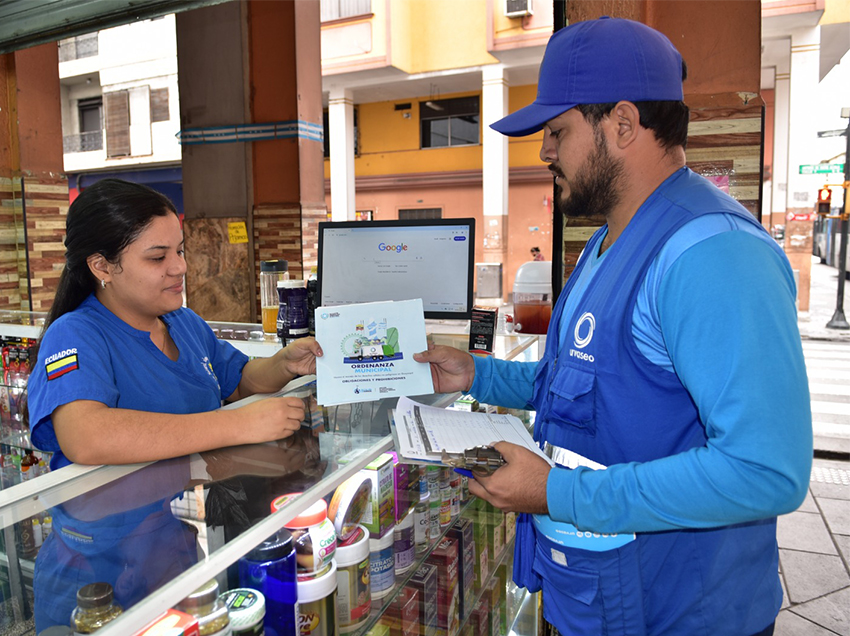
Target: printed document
423	432
368	352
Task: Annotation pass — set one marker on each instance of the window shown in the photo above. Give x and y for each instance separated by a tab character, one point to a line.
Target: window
449	122
417	214
327	134
159	105
338	9
91	114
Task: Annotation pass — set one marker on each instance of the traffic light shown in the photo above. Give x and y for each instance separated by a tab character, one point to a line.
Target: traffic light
824	200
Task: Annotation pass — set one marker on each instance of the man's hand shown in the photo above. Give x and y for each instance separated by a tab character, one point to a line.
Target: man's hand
299	357
451	369
519	485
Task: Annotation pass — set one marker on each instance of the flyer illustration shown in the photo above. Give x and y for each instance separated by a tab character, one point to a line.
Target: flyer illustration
368	352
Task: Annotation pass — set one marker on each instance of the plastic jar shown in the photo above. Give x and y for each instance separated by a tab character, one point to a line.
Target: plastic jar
211	612
313	535
317	605
532	296
247	609
403	545
95	608
292	313
382	565
270	569
422	523
348	506
354	598
271	272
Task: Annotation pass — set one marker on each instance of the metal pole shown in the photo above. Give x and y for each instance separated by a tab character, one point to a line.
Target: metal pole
838	321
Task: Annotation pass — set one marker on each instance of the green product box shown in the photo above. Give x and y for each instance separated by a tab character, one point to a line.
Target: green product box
510	527
482	552
495	595
495	539
379	517
502	578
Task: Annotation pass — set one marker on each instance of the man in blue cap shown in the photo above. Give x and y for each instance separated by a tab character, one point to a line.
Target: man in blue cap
672	397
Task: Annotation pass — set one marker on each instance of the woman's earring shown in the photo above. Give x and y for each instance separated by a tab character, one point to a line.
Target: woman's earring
103	283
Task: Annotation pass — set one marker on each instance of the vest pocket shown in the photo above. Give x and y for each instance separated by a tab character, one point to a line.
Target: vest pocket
572	398
571	599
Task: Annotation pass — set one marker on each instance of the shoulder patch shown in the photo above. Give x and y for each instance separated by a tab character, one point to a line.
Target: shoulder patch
61	363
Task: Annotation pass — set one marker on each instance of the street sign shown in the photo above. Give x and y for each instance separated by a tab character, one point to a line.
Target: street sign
822	168
800	217
832	133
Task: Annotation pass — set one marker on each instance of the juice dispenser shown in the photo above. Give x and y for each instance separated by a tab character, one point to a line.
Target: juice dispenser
532	296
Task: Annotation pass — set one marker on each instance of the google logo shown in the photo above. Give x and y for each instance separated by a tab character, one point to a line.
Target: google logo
398	249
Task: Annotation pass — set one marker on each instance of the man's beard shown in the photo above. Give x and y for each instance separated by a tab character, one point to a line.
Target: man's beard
595	190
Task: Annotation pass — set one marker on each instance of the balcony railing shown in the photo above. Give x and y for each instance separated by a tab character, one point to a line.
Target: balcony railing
78	47
83	142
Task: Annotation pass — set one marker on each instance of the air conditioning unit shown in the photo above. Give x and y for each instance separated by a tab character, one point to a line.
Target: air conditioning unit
518	8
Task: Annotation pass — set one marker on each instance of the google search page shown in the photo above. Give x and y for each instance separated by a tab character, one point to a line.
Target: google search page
387	263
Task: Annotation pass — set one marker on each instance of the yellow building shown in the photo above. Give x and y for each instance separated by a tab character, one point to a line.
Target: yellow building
411	87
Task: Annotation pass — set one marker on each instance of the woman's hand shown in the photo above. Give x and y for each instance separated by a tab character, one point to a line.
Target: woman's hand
299	357
267	375
272	418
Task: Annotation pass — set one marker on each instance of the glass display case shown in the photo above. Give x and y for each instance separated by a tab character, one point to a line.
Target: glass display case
158	531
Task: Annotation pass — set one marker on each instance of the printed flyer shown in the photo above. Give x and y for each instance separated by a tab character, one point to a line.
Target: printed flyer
368	352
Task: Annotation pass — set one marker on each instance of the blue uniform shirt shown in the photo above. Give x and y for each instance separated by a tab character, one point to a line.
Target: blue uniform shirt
91	354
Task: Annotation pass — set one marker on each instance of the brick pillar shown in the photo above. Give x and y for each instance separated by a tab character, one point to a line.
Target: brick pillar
249	63
33	188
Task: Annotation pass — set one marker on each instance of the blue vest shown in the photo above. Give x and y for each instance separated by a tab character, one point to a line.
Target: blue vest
597	395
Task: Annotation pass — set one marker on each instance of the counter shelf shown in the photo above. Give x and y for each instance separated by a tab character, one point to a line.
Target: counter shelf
357	432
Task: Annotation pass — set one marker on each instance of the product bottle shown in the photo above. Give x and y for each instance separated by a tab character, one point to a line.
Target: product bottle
312	299
28	466
270	568
95	608
270	273
46	528
292	315
211	612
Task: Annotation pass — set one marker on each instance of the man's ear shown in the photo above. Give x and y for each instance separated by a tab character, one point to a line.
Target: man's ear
625	122
99	267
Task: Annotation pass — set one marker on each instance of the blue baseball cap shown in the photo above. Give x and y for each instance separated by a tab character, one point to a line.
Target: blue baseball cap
598	62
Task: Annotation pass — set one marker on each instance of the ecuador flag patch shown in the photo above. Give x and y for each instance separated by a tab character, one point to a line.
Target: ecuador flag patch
61	363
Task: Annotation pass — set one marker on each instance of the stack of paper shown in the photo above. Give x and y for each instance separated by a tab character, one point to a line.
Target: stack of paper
422	432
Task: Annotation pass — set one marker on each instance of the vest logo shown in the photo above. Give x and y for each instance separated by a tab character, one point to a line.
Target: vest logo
581	341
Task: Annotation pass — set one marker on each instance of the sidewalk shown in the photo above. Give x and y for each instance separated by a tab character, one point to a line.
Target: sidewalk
814	541
822	301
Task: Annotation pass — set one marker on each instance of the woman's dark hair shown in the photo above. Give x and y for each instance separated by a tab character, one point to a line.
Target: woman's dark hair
104	219
666	119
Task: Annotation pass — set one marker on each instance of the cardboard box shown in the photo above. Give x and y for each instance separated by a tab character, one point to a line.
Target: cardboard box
480	619
379	518
482	550
482	329
463	532
402	616
173	623
445	558
424	580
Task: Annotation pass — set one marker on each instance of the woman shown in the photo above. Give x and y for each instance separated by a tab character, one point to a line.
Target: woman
126	374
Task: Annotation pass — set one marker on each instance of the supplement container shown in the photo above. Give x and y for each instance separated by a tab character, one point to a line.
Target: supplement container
354	598
382	565
348	506
313	534
403	545
270	569
211	612
532	295
317	605
95	608
271	272
292	311
422	523
246	608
